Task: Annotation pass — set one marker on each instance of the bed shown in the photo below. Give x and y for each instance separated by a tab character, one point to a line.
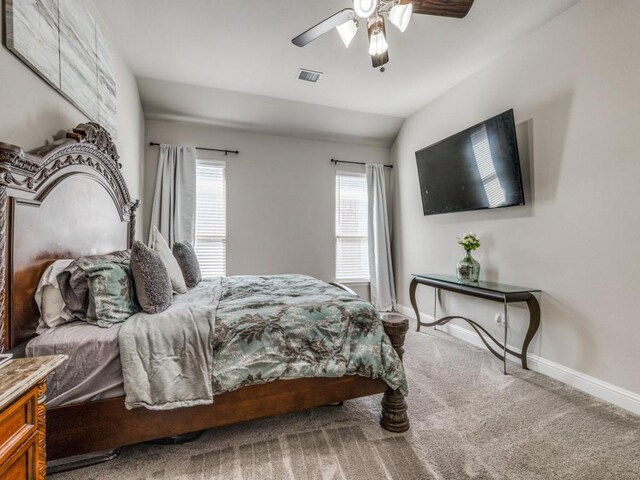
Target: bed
41	220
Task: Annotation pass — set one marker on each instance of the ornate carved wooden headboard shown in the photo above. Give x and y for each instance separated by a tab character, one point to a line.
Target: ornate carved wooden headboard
63	200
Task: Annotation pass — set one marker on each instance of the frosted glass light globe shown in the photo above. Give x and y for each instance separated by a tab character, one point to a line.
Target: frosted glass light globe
347	31
400	15
378	44
365	8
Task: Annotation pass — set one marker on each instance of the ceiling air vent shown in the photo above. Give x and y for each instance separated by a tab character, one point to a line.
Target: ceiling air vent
309	75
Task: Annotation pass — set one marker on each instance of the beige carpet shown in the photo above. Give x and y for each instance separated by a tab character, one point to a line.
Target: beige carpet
467	421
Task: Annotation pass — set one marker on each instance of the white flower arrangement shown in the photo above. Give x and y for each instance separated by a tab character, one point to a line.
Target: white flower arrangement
469	241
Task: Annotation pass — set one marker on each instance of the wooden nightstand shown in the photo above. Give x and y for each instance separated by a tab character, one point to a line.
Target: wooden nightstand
23	384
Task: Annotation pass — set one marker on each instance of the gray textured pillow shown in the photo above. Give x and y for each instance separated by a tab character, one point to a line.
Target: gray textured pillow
188	261
151	279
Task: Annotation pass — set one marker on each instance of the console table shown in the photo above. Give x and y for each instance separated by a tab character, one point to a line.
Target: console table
497	292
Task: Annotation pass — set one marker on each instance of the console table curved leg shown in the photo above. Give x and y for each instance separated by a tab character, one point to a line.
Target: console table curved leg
435	306
505	319
414	304
534	324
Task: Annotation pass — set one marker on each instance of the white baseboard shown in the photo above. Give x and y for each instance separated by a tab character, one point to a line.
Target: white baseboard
591	385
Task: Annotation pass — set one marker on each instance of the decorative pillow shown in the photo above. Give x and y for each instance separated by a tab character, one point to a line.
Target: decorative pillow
48	298
111	293
188	261
74	285
151	279
160	246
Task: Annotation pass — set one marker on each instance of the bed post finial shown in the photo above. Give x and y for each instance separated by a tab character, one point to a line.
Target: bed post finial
394	416
132	222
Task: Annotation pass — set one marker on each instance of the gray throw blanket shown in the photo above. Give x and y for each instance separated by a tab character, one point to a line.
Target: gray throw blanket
167	357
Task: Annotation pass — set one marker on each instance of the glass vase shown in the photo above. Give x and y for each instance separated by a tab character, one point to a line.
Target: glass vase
468	269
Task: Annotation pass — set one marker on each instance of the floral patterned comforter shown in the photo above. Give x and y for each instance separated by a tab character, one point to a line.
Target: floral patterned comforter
292	326
230	332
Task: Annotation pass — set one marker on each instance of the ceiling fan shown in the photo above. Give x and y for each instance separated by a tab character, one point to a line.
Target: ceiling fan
374	13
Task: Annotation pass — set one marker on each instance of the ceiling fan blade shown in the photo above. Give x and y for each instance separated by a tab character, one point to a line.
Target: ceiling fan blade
442	8
380	60
323	27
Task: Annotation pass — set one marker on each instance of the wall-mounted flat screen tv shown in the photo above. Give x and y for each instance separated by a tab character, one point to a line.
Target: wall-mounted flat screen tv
475	169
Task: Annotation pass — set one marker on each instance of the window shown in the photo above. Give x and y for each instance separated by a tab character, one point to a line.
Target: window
211	218
352	257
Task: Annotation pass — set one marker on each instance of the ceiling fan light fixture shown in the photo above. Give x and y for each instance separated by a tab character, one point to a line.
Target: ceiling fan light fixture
374	13
377	41
400	15
348	31
365	8
378	44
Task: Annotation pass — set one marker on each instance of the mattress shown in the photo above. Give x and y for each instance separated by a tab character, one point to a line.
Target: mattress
93	370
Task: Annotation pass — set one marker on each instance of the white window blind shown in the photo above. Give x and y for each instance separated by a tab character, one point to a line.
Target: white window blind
211	218
352	258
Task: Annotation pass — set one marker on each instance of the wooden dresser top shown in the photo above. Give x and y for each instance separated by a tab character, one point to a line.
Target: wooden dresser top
19	375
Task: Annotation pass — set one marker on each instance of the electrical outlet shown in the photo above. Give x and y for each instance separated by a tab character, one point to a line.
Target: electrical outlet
499	320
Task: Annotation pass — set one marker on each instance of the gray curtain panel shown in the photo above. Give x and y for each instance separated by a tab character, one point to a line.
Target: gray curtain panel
174	199
383	291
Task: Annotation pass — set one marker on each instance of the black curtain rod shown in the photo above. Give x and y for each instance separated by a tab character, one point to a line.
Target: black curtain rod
226	152
333	160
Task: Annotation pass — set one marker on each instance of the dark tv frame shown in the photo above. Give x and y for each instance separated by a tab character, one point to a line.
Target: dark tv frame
519	169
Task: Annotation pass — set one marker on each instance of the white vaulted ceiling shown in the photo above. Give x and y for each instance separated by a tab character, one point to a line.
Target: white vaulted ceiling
245	46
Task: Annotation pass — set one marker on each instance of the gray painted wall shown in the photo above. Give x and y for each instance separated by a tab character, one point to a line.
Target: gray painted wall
280	195
574	87
32	112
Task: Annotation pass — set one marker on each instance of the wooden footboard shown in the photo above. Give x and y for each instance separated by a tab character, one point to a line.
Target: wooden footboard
105	424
